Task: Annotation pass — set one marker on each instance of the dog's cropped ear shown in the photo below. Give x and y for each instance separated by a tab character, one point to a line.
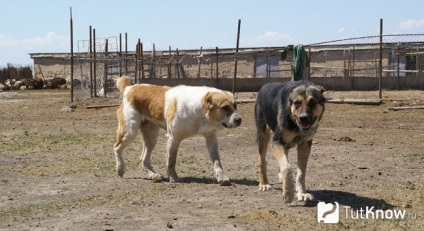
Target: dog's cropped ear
321	88
290	98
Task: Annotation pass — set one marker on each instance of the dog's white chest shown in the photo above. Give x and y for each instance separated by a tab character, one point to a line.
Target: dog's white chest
206	128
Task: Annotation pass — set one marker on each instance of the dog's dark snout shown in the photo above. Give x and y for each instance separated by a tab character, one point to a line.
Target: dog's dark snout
237	120
304	118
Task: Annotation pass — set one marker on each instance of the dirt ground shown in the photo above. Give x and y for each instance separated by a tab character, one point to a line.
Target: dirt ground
57	170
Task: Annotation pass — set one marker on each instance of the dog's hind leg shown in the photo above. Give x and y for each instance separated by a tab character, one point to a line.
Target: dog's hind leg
263	141
262	137
172	151
286	175
126	133
303	151
149	134
212	144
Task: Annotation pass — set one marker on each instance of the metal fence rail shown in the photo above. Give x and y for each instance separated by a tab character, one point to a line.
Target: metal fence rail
357	62
348	64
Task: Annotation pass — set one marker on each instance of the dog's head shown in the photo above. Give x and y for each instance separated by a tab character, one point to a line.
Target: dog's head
306	104
221	109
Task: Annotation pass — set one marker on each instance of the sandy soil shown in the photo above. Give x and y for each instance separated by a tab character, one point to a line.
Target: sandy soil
57	170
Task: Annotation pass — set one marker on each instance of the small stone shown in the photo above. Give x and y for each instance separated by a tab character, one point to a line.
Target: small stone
67	109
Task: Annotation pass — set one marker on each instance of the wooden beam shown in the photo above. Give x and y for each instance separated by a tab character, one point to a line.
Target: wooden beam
102	106
356	101
406	108
331	100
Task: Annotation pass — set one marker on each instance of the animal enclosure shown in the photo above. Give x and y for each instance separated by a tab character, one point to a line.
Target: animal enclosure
57	170
349	64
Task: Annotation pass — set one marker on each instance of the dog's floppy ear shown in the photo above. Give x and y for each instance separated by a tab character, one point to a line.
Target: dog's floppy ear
207	101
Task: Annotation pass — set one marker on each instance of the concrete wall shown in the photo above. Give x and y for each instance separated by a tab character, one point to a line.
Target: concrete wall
242	84
339	70
330	83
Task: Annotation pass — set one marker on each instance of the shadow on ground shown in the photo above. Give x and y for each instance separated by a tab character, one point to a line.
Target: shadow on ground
201	180
347	199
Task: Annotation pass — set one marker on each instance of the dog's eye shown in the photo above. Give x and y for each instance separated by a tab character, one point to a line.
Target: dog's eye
226	108
297	103
312	103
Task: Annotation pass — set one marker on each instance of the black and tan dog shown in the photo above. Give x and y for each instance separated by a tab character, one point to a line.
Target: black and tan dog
292	111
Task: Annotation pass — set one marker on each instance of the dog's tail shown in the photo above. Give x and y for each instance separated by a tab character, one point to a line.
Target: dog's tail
122	83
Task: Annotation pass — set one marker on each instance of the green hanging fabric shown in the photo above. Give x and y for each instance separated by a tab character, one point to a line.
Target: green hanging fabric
299	60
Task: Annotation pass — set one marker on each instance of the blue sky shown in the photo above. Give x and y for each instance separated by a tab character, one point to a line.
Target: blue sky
42	26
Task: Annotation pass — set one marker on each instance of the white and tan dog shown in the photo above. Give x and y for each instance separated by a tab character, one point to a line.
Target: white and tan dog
183	111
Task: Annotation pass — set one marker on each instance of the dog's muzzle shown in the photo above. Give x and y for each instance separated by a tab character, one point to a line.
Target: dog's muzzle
233	123
305	121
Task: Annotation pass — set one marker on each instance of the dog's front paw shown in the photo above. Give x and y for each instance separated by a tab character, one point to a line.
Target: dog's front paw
174	179
304	197
172	175
223	181
288	196
264	187
120	170
280	177
156	178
